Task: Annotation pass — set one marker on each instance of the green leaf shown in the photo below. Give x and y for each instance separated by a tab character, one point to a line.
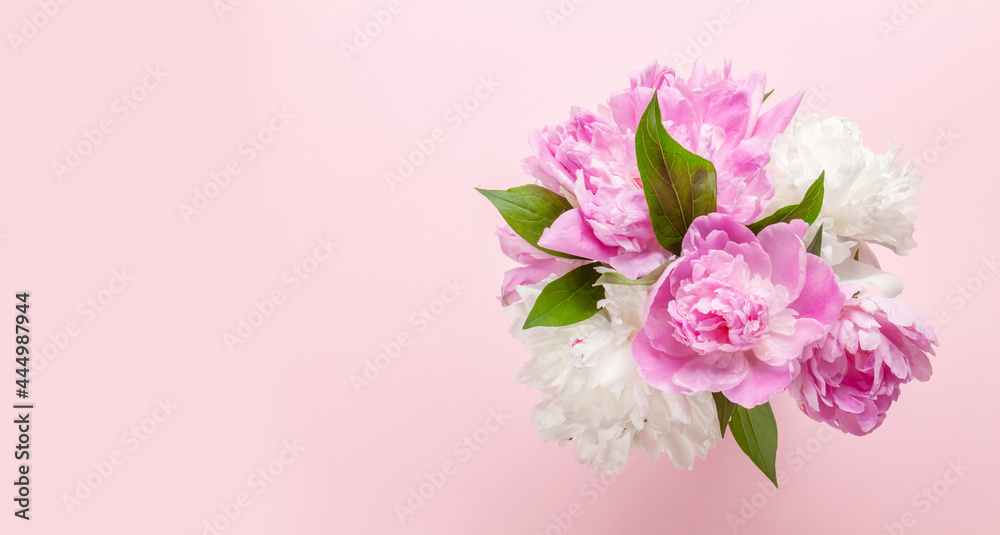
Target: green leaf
529	210
757	434
679	185
816	245
725	410
569	299
807	210
613	277
767	95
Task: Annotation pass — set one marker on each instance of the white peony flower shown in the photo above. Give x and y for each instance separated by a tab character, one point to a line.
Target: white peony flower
866	272
868	198
595	398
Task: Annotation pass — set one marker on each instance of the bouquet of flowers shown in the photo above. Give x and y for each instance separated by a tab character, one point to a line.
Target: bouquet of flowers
688	252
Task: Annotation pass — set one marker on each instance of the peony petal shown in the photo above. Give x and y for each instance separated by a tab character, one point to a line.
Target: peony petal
637	265
570	234
533	273
705	374
852	271
905	317
517	248
821	298
754	256
715	227
654	366
778	349
783	244
544	166
659	328
867	420
848	401
763	381
775	120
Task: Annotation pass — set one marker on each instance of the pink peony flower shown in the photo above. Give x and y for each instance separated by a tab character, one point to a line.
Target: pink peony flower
734	312
537	265
592	157
851	376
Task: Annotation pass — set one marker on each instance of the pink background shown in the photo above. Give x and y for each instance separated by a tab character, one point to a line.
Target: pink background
161	337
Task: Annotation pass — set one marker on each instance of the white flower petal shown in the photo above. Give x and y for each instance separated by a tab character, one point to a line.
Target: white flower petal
868	197
595	398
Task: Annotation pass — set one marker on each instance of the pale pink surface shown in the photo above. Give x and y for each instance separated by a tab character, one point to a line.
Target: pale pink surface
324	175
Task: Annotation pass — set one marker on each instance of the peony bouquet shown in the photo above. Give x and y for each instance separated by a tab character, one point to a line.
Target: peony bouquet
690	251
